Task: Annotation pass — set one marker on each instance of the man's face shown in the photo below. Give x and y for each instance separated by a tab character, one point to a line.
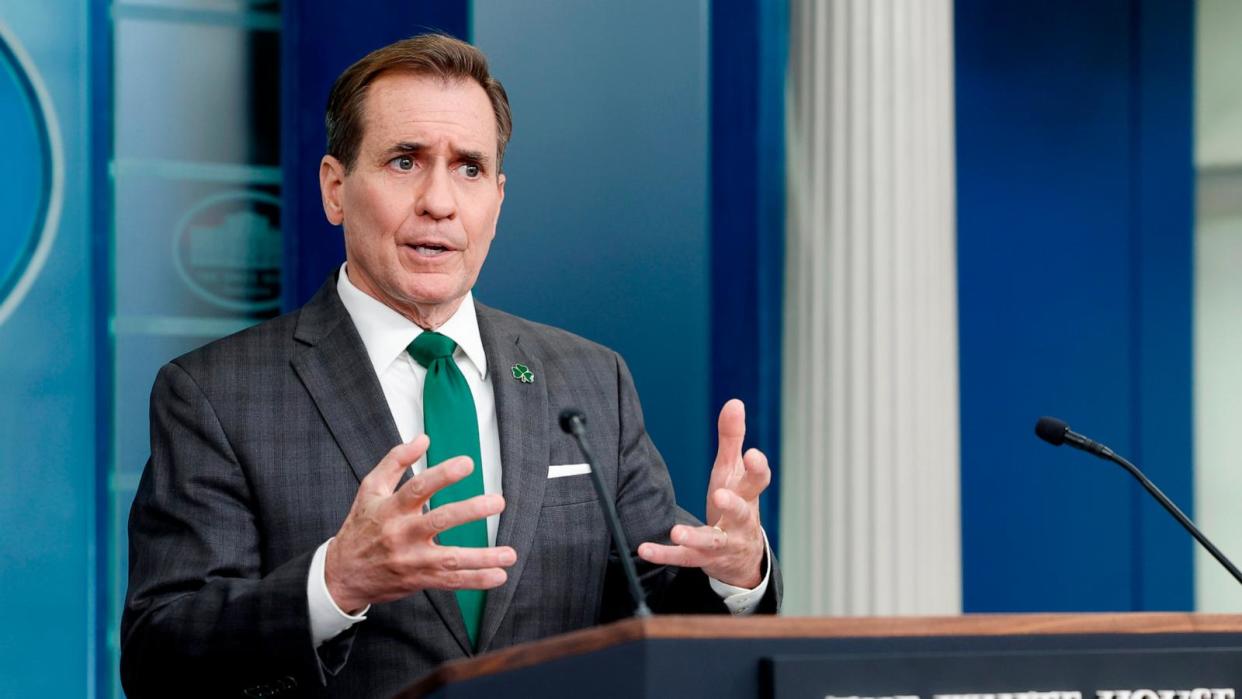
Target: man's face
420	205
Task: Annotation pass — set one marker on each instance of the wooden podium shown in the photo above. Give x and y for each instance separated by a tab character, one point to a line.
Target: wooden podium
1023	656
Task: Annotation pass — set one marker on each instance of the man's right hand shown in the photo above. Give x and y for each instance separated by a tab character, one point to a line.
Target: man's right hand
386	548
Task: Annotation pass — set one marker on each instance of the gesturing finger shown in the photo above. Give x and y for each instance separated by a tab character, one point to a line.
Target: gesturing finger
482	579
700	538
665	555
735	513
457	513
420	488
757	476
465	558
731	428
383	479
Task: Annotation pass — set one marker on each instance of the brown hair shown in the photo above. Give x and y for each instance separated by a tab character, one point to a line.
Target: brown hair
435	55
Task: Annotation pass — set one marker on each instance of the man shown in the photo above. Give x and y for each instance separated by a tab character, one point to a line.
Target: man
288	533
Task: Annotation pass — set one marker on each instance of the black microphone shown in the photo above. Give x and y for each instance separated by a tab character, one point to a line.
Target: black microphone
574	423
1056	433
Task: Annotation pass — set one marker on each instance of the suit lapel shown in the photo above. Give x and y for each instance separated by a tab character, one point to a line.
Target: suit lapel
523	421
352	404
445	603
350	401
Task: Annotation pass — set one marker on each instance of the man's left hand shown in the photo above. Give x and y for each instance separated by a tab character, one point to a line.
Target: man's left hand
731	548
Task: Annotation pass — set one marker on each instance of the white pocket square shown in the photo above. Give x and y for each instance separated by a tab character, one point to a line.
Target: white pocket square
568	470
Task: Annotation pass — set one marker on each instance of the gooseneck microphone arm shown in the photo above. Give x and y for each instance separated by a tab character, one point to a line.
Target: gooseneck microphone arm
574	423
1056	433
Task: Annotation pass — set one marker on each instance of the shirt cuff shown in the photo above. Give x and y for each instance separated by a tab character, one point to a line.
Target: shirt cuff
740	600
327	621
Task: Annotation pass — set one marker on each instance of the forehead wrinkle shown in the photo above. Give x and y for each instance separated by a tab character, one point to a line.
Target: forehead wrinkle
428	136
415	147
469	126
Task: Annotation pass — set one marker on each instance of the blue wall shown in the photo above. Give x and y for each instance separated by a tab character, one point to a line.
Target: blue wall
749	61
47	377
1075	280
605	229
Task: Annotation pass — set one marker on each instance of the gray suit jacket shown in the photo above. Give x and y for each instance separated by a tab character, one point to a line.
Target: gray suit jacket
258	443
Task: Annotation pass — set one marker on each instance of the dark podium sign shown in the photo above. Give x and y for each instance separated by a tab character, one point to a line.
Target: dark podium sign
1041	656
1085	674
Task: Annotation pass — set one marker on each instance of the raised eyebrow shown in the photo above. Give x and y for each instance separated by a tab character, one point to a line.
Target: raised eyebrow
403	148
414	148
472	156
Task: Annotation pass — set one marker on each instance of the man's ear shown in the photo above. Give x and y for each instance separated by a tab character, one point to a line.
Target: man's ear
500	185
331	182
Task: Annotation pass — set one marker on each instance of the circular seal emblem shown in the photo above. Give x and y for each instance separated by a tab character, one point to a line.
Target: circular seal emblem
227	250
31	200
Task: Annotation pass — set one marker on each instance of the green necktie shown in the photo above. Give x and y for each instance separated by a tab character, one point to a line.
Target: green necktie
450	421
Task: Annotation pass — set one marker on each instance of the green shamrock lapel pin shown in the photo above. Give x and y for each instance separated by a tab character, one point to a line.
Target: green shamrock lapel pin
522	373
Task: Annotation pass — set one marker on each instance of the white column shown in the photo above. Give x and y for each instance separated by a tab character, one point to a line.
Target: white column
870	456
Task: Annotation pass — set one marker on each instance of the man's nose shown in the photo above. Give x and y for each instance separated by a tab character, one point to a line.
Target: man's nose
434	197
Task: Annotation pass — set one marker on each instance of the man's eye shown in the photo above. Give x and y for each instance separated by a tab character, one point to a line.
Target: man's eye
470	170
403	162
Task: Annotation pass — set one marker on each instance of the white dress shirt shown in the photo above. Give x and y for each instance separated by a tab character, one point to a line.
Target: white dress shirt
386	334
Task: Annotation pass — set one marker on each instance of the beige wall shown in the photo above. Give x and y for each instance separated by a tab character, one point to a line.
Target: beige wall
1218	84
1218	298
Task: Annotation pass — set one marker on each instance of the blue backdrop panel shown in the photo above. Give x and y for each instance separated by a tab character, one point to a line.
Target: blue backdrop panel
1163	185
47	479
749	41
1075	298
605	226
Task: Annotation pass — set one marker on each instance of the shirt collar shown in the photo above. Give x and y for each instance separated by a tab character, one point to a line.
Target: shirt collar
386	333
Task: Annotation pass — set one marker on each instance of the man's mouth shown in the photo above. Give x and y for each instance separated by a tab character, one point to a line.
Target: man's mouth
430	250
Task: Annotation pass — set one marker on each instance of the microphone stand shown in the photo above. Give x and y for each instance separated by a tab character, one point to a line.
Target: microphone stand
1175	511
575	424
1056	433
